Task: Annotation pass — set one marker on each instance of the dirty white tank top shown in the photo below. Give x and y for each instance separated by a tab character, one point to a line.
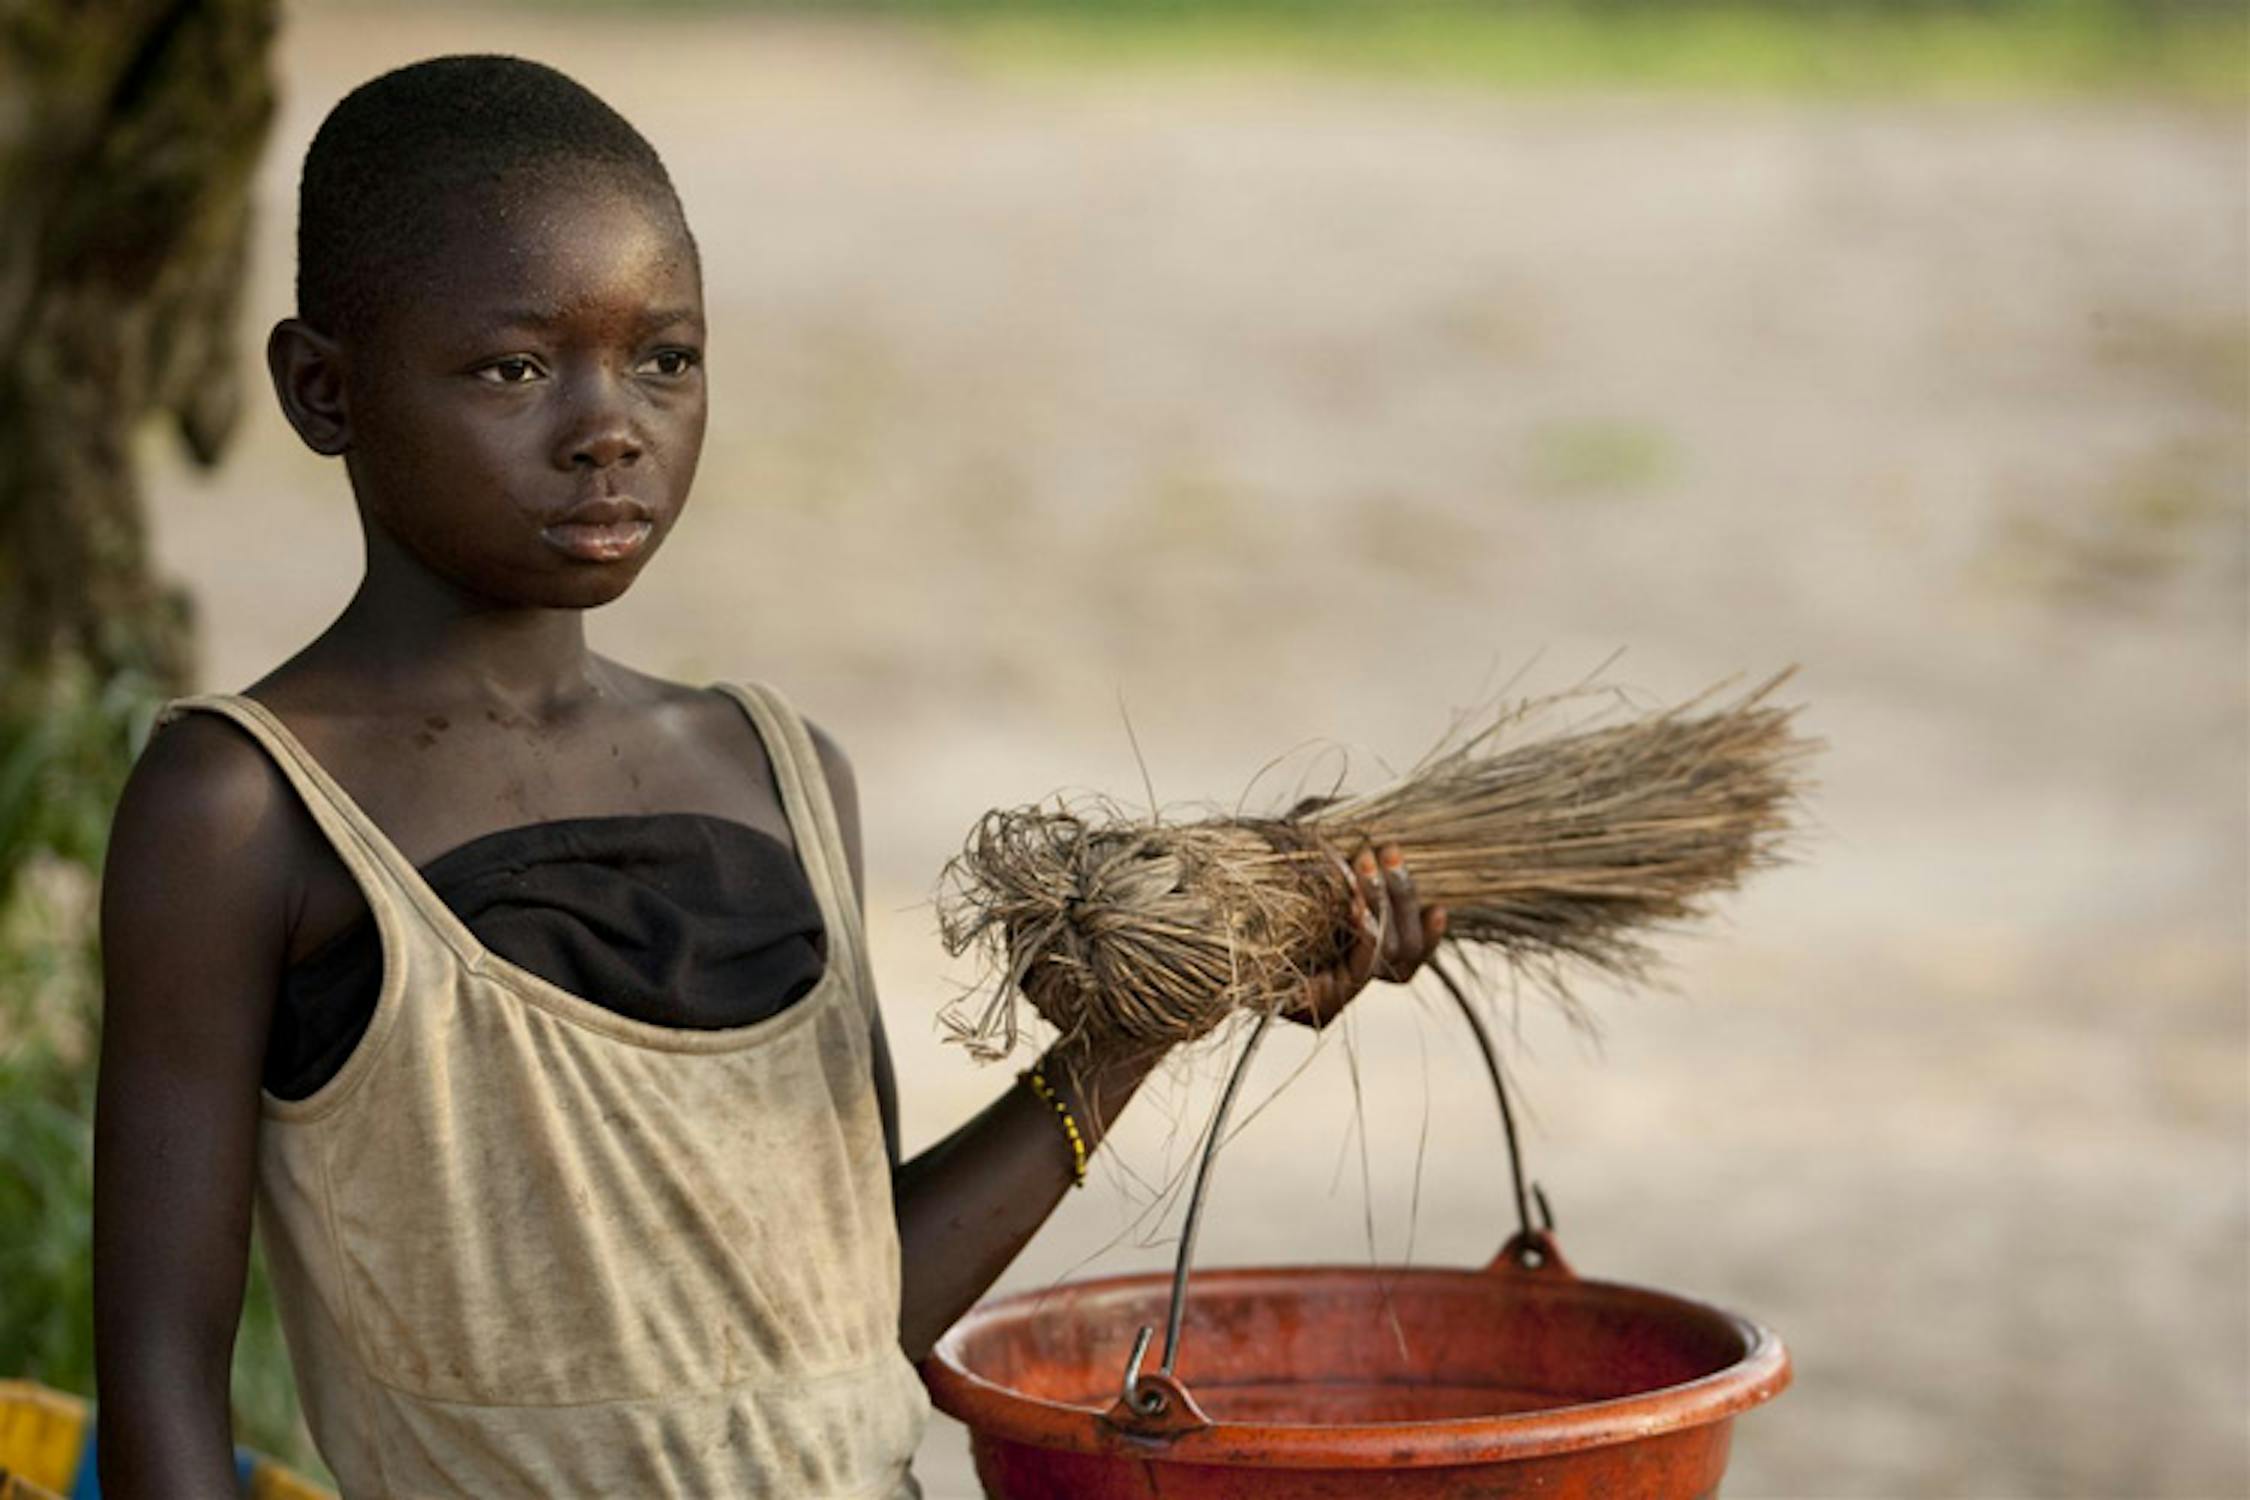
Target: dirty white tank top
525	1246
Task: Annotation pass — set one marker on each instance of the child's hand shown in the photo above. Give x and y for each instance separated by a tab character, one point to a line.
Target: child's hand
1395	933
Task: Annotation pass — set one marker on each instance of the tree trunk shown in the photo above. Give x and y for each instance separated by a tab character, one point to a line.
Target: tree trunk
129	130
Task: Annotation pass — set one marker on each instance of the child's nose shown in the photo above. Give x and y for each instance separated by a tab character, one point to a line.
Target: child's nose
602	434
606	447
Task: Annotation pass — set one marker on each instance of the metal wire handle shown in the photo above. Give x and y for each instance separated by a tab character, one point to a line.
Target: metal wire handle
1531	1245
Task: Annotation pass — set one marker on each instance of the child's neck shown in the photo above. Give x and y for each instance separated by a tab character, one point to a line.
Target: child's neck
407	632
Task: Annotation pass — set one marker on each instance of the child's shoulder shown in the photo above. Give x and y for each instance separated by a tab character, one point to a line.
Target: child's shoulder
204	810
204	775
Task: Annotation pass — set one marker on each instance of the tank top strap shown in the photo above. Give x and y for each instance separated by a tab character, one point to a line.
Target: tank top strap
812	820
386	878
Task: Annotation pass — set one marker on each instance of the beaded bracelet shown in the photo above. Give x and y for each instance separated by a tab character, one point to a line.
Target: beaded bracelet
1054	1101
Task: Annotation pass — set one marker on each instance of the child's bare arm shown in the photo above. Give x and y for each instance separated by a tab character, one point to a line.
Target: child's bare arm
195	913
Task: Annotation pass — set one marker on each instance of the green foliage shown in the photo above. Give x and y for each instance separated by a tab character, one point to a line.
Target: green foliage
2000	48
1598	457
2191	49
67	743
46	1165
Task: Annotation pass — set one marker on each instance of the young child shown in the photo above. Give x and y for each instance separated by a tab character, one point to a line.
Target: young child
527	992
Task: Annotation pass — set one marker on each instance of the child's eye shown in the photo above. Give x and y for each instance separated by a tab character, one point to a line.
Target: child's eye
670	362
516	369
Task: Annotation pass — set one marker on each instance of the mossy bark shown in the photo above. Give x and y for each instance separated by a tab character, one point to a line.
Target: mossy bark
129	130
128	134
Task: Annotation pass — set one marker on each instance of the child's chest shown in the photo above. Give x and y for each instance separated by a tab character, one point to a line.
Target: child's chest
438	781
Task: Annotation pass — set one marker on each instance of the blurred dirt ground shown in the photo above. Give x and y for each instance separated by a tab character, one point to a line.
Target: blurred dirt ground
1299	411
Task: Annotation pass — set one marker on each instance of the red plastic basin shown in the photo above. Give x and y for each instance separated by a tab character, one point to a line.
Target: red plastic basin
1351	1381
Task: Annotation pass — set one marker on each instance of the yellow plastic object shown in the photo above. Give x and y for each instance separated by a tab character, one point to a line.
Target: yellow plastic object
12	1488
270	1481
42	1435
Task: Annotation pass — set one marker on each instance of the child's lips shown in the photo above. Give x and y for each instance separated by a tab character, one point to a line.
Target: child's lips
597	541
600	530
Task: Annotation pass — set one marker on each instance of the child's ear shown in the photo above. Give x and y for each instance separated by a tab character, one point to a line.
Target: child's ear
308	377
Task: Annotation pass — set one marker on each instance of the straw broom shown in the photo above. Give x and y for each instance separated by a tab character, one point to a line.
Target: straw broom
1556	854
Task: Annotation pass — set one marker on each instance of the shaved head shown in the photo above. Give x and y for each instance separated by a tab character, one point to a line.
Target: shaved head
410	160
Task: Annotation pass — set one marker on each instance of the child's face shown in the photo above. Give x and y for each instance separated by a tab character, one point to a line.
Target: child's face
526	422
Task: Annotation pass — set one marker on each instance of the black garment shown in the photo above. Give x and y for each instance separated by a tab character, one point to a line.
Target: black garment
676	919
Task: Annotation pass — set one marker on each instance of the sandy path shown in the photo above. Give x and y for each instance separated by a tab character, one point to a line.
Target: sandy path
1297	412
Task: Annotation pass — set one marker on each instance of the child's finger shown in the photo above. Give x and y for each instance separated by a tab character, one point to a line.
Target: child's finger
1402	947
1372	907
1373	893
1364	928
1433	928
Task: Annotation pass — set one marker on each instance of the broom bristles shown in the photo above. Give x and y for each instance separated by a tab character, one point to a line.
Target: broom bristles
1558	853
